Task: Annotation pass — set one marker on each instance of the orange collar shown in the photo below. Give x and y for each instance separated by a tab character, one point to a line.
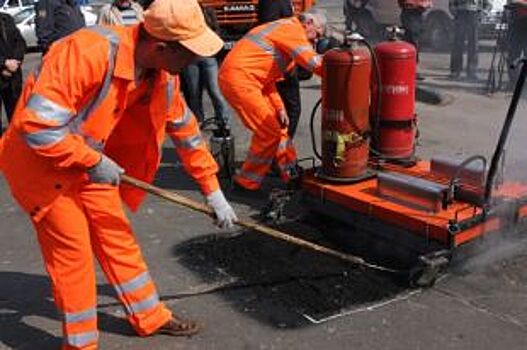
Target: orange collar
125	63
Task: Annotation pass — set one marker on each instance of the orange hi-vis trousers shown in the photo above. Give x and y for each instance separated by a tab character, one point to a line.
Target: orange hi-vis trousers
89	220
269	140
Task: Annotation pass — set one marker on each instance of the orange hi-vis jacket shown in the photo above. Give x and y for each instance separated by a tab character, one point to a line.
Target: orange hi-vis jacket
86	100
268	51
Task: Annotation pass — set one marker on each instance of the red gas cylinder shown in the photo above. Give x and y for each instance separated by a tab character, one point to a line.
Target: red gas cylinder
394	135
345	111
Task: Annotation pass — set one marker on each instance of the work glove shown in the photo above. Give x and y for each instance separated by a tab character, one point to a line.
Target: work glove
225	215
105	172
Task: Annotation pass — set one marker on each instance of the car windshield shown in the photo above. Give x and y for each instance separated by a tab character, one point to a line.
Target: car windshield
20	16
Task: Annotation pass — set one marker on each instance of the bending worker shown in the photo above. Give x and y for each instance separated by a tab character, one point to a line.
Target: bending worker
100	106
248	79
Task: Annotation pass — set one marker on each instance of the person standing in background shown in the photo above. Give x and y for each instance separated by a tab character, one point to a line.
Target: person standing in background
201	74
120	12
467	15
289	87
413	22
517	37
12	50
55	19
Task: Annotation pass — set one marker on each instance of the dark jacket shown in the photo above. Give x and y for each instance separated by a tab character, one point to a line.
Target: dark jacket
12	44
271	10
56	19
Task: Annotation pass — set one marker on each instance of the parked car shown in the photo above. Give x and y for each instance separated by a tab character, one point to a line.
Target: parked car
14	6
25	21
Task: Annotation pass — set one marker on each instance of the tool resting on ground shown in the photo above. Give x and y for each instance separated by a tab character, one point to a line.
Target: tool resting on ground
249	224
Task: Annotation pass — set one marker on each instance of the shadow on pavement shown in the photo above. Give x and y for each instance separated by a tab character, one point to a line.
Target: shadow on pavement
24	295
280	284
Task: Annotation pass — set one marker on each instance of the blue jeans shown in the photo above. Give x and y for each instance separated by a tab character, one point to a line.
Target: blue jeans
201	74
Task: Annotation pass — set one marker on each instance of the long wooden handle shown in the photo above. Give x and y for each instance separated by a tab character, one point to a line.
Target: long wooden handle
249	224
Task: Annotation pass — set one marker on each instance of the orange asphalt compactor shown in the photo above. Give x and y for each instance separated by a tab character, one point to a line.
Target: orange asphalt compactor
370	178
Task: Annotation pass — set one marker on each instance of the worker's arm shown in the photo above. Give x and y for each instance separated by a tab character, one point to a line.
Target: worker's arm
274	97
183	129
291	39
19	44
68	79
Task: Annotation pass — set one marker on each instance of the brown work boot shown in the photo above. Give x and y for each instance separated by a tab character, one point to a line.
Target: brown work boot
178	327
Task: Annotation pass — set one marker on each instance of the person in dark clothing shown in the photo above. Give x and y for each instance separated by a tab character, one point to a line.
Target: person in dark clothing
412	20
467	15
12	49
56	19
517	45
289	88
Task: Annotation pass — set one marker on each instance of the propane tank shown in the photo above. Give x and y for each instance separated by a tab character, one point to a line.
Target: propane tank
395	126
345	111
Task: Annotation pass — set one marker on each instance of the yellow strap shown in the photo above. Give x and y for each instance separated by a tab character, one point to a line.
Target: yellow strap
341	140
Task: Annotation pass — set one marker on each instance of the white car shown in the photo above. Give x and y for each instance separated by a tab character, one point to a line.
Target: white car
25	21
14	6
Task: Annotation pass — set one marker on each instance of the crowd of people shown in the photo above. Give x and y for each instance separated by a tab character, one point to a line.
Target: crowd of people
105	97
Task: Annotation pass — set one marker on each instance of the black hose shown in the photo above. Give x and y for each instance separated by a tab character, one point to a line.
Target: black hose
500	147
312	129
462	166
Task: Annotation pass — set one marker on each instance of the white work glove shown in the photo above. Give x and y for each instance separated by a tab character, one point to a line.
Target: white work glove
105	172
225	215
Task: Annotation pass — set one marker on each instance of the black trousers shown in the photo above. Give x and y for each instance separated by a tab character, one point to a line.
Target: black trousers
517	45
466	25
9	93
413	23
289	90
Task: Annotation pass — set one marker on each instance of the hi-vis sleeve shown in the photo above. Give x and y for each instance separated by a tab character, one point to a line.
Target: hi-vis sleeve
292	40
198	162
68	78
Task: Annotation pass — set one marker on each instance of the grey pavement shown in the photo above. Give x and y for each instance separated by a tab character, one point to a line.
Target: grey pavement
251	292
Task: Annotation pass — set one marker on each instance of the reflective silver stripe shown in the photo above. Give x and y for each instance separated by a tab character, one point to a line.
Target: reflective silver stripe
114	43
183	121
190	142
279	58
170	91
72	317
144	305
49	110
46	137
134	284
297	51
313	62
251	176
284	144
81	339
251	158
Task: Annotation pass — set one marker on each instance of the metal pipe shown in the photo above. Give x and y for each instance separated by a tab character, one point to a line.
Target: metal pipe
498	152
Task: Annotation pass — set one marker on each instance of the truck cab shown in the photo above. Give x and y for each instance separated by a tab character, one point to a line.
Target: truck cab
236	17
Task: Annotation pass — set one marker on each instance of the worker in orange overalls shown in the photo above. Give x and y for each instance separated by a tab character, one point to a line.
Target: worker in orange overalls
101	105
247	79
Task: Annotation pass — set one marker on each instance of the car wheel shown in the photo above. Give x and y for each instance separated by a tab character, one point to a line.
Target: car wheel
438	33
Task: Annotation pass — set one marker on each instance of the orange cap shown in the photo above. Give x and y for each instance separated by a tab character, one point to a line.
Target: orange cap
182	21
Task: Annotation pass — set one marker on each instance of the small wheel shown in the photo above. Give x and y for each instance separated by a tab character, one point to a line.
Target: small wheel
422	277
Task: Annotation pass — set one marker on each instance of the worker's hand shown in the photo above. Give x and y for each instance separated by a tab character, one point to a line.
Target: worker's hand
225	215
12	65
106	172
6	73
283	118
